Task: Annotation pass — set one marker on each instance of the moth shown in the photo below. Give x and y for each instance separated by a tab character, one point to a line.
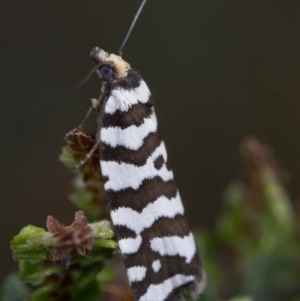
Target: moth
154	238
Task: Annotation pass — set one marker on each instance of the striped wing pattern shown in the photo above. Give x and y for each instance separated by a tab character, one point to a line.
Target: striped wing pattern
146	210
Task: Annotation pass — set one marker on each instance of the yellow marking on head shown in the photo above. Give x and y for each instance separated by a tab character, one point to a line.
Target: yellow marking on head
120	66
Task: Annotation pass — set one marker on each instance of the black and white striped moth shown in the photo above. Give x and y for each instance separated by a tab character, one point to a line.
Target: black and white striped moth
155	241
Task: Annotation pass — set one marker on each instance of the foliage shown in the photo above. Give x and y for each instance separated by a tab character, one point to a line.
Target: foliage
88	184
252	254
254	250
63	263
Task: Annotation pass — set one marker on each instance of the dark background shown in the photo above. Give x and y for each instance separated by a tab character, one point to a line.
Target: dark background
218	71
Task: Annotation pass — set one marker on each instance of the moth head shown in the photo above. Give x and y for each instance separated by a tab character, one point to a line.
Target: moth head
110	66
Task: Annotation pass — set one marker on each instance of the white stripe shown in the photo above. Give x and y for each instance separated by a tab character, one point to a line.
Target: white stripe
175	245
123	175
156	265
159	292
136	273
121	99
131	137
130	245
138	222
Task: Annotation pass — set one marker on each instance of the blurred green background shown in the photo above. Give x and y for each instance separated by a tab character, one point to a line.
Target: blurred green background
218	71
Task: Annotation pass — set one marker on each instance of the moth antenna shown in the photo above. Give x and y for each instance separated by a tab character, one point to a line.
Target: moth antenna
88	76
157	110
131	26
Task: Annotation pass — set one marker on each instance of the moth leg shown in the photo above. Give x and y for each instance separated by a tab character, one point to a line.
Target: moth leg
87	157
94	106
